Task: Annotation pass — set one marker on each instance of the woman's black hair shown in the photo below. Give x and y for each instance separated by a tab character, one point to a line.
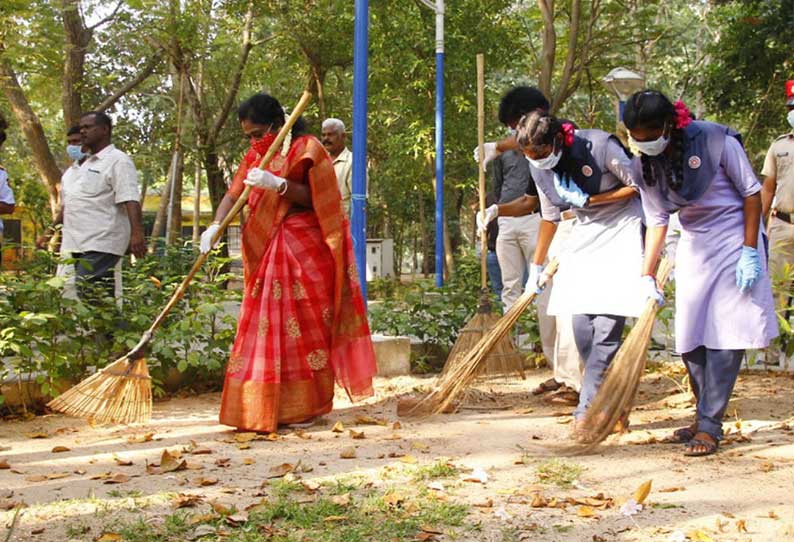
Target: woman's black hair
538	129
652	109
519	101
263	108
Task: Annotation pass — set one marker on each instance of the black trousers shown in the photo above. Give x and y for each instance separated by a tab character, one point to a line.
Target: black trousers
94	274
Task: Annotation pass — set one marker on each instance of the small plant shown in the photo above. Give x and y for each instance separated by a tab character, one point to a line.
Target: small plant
440	469
558	472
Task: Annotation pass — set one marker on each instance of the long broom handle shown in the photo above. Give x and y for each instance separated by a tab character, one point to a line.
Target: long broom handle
180	291
481	150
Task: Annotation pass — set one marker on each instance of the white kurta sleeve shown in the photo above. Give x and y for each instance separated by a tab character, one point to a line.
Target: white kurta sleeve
548	211
619	164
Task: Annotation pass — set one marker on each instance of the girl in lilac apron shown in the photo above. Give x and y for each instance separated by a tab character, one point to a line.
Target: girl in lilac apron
723	293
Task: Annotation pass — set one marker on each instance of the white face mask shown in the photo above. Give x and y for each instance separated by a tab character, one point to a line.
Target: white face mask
546	163
650	148
790	118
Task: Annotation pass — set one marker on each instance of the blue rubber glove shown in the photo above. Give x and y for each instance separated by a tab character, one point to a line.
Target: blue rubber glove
748	270
650	290
536	277
570	192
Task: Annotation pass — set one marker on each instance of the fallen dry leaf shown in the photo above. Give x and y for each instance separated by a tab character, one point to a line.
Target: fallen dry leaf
117	479
170	462
272	436
539	501
720	525
237	519
772	515
699	535
396	425
248	461
221	508
672	489
643	491
393	498
338	427
245	437
331	519
408	459
419	446
741	525
487	503
766	466
356	435
223	461
348	453
186	500
204	482
38	530
122	462
243	446
341	500
4	464
369	420
586	512
138	439
37	435
425	537
278	471
310	485
60	449
109	537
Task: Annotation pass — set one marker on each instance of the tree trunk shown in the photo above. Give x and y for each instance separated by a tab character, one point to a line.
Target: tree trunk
549	51
196	202
43	159
77	38
174	231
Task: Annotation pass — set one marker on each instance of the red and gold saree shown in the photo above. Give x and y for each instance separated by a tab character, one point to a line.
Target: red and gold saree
303	322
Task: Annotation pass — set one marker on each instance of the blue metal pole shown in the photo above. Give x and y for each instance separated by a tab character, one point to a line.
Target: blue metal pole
440	143
358	223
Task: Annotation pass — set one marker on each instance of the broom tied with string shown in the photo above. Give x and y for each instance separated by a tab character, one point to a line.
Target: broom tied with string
459	377
122	391
504	357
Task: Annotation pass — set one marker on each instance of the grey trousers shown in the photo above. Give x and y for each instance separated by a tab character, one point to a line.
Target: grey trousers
712	375
94	273
598	338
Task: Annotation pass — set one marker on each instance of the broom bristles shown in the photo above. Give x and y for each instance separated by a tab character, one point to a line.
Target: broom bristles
465	368
119	393
615	397
505	358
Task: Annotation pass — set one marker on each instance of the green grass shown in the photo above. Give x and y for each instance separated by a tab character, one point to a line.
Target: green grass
118	494
558	472
440	469
371	516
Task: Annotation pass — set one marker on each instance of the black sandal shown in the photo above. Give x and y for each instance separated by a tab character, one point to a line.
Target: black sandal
683	435
547	386
710	447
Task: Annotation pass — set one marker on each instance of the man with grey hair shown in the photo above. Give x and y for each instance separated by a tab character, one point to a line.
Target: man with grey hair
333	139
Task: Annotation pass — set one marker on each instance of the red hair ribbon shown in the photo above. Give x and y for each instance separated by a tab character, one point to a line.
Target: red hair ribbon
567	132
683	117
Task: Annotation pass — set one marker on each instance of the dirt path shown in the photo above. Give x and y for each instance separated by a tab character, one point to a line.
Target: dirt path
744	493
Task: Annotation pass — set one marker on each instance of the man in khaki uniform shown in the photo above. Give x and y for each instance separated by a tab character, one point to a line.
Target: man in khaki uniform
778	193
777	198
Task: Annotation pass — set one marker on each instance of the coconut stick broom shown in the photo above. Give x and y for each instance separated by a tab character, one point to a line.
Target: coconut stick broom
504	358
615	397
122	391
465	368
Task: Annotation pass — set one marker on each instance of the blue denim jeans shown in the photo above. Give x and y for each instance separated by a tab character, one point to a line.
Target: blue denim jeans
494	273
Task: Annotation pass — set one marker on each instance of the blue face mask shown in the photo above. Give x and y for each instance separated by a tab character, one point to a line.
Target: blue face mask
75	152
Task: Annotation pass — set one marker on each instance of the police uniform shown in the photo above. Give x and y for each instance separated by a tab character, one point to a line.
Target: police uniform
779	163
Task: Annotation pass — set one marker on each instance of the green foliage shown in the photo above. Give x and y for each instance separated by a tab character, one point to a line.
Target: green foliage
61	340
559	472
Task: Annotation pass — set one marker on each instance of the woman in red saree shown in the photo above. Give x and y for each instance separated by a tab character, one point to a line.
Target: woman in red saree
303	322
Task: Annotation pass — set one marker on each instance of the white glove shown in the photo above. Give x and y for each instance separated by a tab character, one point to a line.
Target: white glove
206	238
261	178
536	276
490	213
490	151
650	291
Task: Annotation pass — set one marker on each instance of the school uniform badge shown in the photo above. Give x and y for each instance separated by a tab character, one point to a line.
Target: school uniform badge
587	171
694	162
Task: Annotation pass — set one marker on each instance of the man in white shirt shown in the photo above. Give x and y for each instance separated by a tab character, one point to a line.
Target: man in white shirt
101	207
7	201
333	139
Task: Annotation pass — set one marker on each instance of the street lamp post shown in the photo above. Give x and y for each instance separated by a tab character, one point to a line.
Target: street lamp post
623	83
358	223
438	8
